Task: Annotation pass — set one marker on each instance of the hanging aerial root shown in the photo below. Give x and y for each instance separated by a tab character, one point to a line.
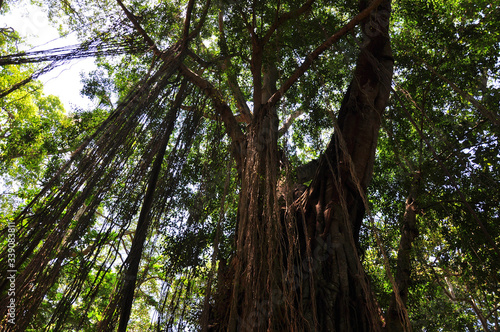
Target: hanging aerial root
55	221
59	56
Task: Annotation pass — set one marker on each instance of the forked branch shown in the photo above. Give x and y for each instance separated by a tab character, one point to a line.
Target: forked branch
289	122
227	66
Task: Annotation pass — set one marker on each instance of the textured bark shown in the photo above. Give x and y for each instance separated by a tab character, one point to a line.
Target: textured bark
300	270
258	229
333	209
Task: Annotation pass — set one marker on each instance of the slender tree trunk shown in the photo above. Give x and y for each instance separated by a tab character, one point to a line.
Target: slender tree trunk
134	257
397	317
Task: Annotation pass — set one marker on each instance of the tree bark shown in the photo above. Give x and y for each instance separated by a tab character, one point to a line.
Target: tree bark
300	270
340	295
397	316
258	228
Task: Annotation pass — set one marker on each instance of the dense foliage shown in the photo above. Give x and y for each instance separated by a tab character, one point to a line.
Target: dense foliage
437	155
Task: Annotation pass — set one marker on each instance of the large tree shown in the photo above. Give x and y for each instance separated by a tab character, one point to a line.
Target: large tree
228	189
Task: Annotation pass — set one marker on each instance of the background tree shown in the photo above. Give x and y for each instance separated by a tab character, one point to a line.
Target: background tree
223	192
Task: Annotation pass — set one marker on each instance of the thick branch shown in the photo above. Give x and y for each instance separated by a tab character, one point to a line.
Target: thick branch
256	67
227	67
187	22
224	111
289	122
200	24
256	60
319	50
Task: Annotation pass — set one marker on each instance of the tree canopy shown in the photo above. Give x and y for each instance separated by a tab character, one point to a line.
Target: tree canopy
255	165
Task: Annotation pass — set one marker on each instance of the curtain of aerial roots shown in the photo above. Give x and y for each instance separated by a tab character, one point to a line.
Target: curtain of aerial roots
49	230
102	46
162	183
167	188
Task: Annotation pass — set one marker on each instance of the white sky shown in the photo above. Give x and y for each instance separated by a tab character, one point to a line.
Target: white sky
32	24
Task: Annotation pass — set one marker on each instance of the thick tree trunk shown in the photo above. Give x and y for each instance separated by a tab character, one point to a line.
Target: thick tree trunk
301	271
258	233
340	295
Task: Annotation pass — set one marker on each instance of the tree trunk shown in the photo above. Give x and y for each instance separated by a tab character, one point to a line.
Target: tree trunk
397	316
340	295
300	270
258	232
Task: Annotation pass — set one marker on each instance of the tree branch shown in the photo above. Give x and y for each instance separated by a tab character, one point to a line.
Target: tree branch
467	96
139	28
446	171
285	17
289	122
187	22
224	111
248	26
256	60
246	114
492	311
275	98
201	22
